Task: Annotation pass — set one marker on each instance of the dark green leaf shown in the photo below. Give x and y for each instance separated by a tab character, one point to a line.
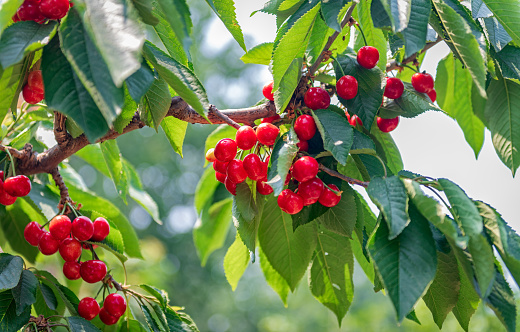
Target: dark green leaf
180	322
341	219
41	307
114	163
79	324
150	319
24	293
409	105
140	81
496	33
336	133
479	9
245	202
508	60
283	154
10	270
236	262
159	294
507	13
157	100
379	15
308	214
502	301
68	297
9	320
260	54
145	8
331	10
389	149
415	33
247	229
48	296
362	144
399	13
483	262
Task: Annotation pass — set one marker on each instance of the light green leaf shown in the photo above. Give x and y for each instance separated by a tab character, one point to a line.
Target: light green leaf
157	101
391	151
170	40
336	133
415	33
113	242
468	301
205	189
114	163
7	10
225	10
179	321
145	9
260	54
24	293
273	278
8	85
374	37
175	131
341	219
236	262
10	271
177	14
507	13
289	82
159	294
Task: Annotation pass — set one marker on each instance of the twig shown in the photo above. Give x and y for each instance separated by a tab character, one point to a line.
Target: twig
343	177
224	117
64	191
395	65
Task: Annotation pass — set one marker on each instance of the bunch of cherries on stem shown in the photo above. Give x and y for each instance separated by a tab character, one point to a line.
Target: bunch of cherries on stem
13	187
41	10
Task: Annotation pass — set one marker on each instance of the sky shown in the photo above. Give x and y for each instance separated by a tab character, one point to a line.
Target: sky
431	144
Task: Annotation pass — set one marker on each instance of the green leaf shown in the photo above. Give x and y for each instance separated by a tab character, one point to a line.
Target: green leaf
14	220
179	321
7	10
399	13
10	271
407	264
504	121
40	306
171	42
79	324
236	262
175	130
9	320
65	92
114	27
390	197
113	242
48	296
374	37
331	276
497	35
24	293
210	231
483	262
341	219
205	189
462	41
409	105
246	229
288	252
273	278
454	97
479	9
177	14
179	77
159	294
507	61
122	120
138	194
225	10
145	9
467	303
283	154
23	37
331	10
139	82
8	86
260	54
245	202
391	151
370	91
150	319
502	301
289	82
222	131
362	144
157	100
415	33
507	13
114	163
336	133
310	213
68	297
443	294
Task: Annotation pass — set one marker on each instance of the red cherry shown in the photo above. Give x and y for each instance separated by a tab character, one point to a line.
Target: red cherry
422	82
254	167
264	188
317	98
88	308
305	169
329	198
210	155
82	228
60	227
35	81
387	125
71	270
115	304
433	95
225	150
70	249
290	202
93	271
101	229
267	91
31	96
32	233
30	11
220	166
267	133
86	246
48	245
310	190
16	18
394	88
107	318
271	119
288	178
17	186
54	9
303	145
236	172
305	127
245	138
347	87
355	120
231	186
221	177
5	198
368	56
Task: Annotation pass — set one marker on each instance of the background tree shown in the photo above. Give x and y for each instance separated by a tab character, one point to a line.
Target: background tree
95	80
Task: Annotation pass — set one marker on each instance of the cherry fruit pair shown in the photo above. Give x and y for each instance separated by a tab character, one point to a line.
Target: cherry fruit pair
39	10
113	308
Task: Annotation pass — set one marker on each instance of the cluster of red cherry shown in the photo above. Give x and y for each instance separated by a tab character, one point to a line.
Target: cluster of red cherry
40	10
33	92
13	187
114	306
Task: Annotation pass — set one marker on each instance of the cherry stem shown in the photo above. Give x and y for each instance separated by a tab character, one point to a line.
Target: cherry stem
343	177
224	117
341	68
12	161
73	209
362	33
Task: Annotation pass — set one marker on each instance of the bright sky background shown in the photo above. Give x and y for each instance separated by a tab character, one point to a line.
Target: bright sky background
431	144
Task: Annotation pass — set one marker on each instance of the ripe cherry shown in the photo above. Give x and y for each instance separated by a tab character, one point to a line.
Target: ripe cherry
271	119
310	190
70	249
254	167
54	9
305	127
17	186
82	228
267	91
230	186
93	271
394	88
210	155
225	150
236	172
220	166
88	308
355	120
267	133
347	87
107	318
246	137
31	96
303	145
101	229
32	233
71	270
368	56
290	202
115	304
433	95
288	178
60	227
30	11
329	198
221	177
316	98
387	125
47	244
422	82
35	81
304	169
16	18
263	188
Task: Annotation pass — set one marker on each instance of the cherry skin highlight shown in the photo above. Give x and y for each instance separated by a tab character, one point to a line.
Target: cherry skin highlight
48	245
88	308
245	137
347	87
305	169
305	127
329	198
316	98
60	227
93	271
101	229
32	233
71	270
70	249
267	91
82	228
225	150
367	57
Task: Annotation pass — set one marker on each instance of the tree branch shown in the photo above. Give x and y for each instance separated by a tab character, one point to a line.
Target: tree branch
393	65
